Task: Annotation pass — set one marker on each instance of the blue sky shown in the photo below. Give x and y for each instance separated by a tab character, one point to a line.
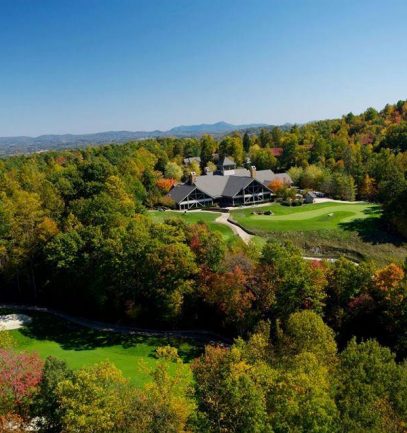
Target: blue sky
95	65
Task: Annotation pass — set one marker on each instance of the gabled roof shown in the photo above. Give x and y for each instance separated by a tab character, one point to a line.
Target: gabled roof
212	185
235	184
217	186
264	176
242	172
285	177
223	186
179	192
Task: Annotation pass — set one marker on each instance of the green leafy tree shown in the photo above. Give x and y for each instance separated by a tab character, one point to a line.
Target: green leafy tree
93	400
173	171
301	398
296	284
229	397
265	138
263	159
232	146
46	405
307	332
208	148
290	152
346	281
276	136
163	405
371	389
247	142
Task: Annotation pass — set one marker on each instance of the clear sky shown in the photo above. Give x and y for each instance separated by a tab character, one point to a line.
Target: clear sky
95	65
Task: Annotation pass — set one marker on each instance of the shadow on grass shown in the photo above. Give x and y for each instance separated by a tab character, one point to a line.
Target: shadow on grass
371	229
73	337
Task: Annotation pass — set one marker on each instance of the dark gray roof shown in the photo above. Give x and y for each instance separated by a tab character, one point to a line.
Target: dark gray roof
212	185
179	192
264	176
226	186
312	194
218	185
235	184
241	172
285	177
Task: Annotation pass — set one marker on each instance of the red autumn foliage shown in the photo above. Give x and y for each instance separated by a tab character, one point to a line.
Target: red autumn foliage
60	160
366	139
319	264
228	291
362	303
20	373
195	243
210	361
277	151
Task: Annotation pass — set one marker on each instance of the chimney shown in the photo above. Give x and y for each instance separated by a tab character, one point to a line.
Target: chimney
192	178
208	171
252	170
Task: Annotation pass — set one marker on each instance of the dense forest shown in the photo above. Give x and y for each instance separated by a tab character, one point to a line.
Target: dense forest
321	345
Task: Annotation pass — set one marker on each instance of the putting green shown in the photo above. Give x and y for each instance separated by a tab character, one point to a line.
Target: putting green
304	218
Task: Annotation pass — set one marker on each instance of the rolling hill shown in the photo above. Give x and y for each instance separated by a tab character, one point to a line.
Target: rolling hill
24	144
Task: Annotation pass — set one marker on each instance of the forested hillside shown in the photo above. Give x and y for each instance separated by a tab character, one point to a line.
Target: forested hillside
76	234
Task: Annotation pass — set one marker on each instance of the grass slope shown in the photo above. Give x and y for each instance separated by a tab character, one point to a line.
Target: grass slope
195	217
302	218
327	229
134	355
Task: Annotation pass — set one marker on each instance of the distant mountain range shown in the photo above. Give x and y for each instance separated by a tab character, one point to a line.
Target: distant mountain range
211	128
23	144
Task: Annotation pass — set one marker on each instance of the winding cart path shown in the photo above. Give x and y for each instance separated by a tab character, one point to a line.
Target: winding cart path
196	334
223	218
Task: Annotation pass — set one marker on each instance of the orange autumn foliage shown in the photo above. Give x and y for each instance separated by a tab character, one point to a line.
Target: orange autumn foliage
165	185
12	423
388	278
276	185
388	282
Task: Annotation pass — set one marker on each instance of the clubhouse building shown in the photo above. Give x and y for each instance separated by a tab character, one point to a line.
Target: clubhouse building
227	186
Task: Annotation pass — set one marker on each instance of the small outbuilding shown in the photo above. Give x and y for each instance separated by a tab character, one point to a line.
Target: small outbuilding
310	197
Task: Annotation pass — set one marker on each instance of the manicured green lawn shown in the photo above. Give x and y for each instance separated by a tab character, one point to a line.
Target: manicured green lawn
303	218
78	346
195	217
327	230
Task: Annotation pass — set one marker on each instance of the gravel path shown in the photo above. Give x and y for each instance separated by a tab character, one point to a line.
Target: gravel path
196	334
331	200
223	218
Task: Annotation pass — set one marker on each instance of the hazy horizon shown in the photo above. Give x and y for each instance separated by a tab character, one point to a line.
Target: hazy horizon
80	67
